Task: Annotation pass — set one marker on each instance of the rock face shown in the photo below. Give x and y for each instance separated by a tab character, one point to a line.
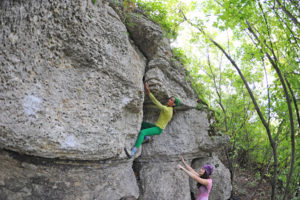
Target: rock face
24	177
72	97
71	81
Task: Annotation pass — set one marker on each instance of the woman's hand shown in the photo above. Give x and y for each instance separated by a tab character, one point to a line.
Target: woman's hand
181	158
179	167
147	87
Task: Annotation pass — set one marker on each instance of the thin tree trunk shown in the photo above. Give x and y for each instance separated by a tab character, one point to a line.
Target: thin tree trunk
262	176
294	100
217	91
268	164
264	122
274	64
229	161
231	169
266	125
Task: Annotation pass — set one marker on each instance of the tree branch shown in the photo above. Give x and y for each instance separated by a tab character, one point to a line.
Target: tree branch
294	99
292	33
217	91
287	13
268	90
266	125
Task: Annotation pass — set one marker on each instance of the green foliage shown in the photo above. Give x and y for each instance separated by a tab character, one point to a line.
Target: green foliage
200	106
252	184
127	19
274	33
163	13
94	1
179	55
129	5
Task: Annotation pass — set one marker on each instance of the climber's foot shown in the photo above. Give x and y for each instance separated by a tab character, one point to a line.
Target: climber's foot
127	153
146	140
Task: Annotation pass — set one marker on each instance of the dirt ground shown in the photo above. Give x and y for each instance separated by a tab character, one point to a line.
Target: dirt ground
245	184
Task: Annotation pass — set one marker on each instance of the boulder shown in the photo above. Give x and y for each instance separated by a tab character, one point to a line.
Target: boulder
161	180
71	81
148	36
28	178
72	97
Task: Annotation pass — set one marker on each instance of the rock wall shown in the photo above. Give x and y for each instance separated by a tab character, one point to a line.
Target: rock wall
72	97
30	178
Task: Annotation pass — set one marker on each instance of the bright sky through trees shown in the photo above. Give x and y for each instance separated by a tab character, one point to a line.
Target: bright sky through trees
185	36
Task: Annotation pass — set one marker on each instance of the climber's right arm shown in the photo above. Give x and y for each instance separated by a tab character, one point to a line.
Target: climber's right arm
153	99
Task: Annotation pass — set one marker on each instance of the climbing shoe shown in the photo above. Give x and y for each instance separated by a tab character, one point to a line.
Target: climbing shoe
127	153
133	150
146	140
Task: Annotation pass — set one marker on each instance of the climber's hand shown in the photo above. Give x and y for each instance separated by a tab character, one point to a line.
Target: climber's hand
179	167
147	87
181	158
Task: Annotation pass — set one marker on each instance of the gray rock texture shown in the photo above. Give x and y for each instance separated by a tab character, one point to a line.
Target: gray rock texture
161	180
29	178
148	36
186	134
72	97
71	81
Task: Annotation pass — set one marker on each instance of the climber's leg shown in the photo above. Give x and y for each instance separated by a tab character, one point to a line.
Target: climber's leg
146	125
151	130
147	132
146	139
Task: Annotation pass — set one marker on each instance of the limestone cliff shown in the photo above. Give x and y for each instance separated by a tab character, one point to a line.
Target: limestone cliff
72	97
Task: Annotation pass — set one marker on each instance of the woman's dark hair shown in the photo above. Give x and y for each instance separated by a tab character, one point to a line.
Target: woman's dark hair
204	176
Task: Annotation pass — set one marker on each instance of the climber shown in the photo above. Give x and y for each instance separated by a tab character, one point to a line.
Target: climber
148	129
204	182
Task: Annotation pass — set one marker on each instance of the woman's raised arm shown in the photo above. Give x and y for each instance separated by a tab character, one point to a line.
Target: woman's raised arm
194	176
188	167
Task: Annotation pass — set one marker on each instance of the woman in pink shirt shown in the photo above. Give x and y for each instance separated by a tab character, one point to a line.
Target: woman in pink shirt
204	182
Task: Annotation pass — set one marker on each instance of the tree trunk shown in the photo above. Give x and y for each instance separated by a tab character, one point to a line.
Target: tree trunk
274	64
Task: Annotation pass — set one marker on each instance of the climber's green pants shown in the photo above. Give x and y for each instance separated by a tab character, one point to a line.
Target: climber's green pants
147	130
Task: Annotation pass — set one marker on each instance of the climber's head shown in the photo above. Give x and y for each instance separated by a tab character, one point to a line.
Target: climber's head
205	173
206	169
173	101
